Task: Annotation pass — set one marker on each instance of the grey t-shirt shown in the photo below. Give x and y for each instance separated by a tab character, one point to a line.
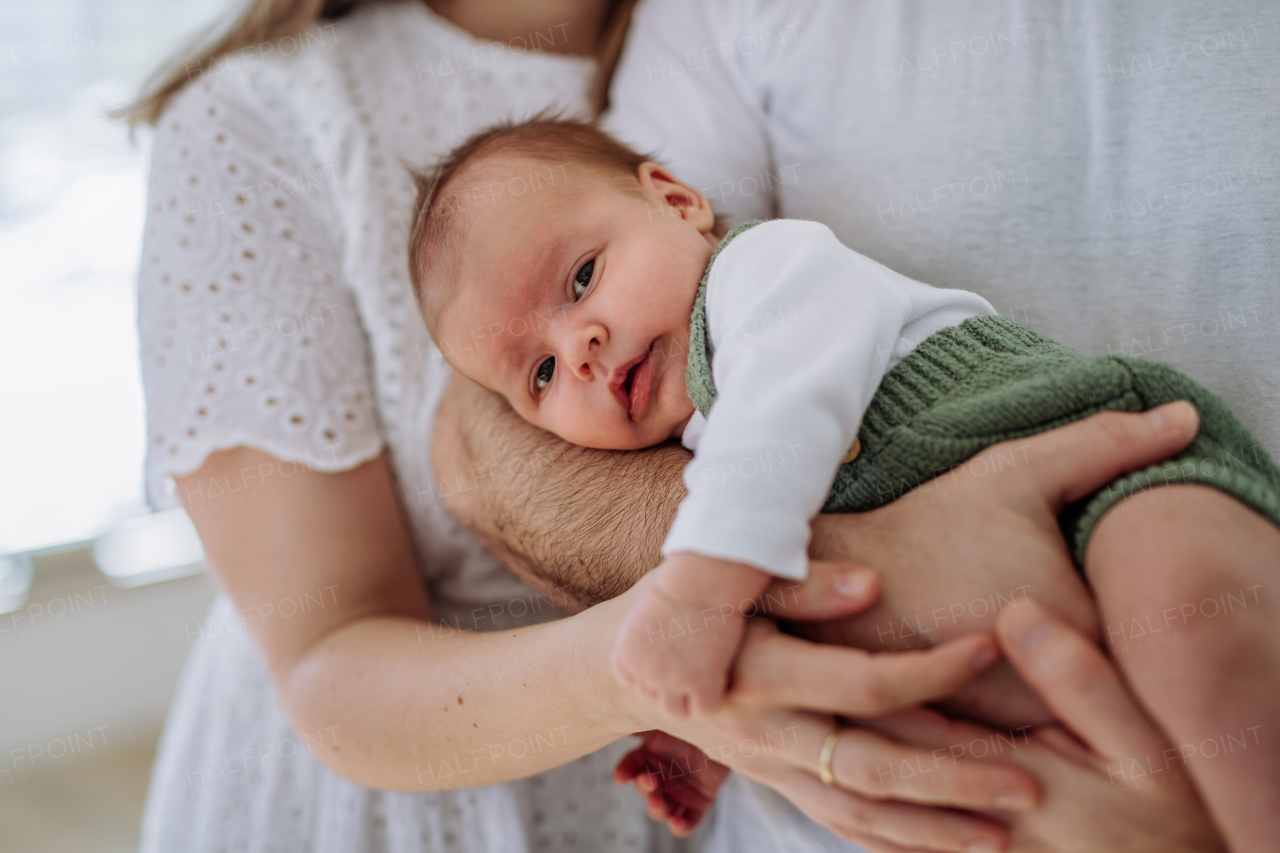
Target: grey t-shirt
1105	173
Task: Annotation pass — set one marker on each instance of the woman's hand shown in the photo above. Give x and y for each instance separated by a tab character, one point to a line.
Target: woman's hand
762	733
1124	789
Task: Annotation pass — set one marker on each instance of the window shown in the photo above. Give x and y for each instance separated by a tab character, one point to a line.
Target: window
72	205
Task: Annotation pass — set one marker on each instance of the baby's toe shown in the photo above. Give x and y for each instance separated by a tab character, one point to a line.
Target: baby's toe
646	782
656	807
630	766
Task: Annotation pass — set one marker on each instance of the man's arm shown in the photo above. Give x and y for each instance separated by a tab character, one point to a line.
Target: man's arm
587	523
592	522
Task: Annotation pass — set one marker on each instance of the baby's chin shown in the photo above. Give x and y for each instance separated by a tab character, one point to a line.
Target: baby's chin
630	436
653	433
678	409
678	431
616	436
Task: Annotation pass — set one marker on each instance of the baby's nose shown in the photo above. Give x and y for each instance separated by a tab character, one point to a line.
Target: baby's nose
587	367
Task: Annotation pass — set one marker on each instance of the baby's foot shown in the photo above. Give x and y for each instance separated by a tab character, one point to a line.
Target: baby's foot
678	781
678	641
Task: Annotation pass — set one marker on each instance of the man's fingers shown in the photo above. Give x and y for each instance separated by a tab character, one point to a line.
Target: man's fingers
831	591
1071	461
1078	683
838	680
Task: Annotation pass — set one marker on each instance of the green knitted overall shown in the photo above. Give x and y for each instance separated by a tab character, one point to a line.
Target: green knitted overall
990	380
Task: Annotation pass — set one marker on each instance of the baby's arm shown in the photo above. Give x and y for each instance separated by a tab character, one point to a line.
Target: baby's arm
802	328
678	642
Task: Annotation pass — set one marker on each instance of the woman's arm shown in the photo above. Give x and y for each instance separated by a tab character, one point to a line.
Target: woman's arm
320	568
779	713
322	572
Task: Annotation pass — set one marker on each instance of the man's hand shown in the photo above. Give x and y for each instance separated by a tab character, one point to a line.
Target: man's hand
1085	806
959	549
952	553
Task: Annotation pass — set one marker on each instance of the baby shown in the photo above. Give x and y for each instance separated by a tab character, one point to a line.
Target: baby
588	287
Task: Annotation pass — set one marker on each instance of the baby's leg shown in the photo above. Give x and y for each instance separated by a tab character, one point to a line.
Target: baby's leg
678	781
1188	585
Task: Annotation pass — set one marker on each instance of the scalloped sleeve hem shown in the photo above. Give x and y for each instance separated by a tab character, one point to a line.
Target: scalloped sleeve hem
249	335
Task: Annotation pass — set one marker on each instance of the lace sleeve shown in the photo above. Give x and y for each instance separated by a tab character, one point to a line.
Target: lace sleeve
248	335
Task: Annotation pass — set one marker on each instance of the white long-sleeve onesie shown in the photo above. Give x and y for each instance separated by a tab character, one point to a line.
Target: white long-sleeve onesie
802	331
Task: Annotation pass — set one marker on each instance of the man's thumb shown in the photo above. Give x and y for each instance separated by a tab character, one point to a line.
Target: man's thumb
832	591
1071	461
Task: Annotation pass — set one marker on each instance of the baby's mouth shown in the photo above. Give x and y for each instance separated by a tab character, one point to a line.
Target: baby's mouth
631	378
636	385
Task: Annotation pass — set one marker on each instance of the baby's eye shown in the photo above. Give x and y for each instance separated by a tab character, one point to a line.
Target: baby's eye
542	378
583	279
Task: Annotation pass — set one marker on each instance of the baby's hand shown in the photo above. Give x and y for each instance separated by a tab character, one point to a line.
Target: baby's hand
678	641
678	781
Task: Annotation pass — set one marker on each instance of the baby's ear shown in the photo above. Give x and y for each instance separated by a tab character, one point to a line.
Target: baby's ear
674	197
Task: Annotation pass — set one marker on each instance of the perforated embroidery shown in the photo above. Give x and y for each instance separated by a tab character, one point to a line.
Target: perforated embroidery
275	312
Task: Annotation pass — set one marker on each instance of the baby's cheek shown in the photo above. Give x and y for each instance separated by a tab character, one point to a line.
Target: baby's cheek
580	424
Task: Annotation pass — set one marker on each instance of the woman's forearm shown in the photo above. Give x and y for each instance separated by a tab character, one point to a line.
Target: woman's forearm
415	705
373	687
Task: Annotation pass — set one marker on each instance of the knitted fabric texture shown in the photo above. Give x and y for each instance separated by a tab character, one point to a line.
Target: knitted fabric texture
697	372
990	380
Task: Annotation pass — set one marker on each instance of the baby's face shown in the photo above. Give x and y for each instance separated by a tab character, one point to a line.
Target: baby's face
574	303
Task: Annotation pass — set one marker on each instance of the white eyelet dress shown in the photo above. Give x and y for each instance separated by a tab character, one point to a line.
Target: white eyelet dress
275	312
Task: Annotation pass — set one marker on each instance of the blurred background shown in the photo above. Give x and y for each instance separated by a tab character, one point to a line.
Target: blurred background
99	598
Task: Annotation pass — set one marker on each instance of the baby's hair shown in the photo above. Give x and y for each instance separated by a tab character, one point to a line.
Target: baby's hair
439	220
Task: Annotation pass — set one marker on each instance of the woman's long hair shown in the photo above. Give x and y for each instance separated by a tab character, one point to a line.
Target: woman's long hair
264	21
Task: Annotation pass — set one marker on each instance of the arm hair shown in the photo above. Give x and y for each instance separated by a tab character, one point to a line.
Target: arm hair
585	523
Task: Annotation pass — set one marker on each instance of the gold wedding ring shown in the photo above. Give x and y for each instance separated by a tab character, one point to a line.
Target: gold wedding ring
824	759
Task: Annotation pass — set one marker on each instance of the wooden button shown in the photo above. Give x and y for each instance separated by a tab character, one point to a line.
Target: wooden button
854	450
